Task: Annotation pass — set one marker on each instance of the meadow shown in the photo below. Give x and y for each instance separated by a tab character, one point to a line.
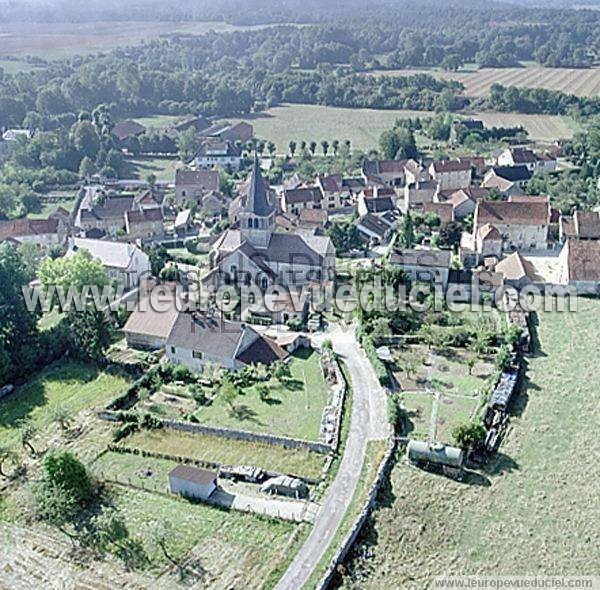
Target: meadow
64	40
477	82
302	122
531	511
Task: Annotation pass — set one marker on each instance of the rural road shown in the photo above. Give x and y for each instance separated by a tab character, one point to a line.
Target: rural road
368	422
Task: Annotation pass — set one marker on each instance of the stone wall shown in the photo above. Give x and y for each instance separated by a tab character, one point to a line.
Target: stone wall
356	528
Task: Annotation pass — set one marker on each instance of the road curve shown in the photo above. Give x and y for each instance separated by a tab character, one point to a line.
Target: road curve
368	422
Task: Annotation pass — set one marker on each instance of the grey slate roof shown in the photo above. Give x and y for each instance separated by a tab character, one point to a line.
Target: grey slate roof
257	200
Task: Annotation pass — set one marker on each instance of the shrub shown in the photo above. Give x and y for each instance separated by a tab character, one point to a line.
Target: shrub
378	366
124	431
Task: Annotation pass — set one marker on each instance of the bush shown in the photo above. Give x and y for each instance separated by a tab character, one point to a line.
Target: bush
378	366
124	431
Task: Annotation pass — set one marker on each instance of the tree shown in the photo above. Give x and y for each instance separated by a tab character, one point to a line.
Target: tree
407	236
63	469
471	362
161	534
292	147
85	139
91	332
87	167
335	145
229	393
325	147
187	144
467	436
158	256
312	147
281	371
389	144
450	233
271	148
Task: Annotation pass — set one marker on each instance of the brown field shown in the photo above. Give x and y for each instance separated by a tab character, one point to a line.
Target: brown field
579	82
61	40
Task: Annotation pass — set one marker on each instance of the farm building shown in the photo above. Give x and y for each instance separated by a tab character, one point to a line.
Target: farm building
192	482
284	485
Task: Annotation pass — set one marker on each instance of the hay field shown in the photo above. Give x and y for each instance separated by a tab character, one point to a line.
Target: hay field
363	127
63	40
580	82
534	511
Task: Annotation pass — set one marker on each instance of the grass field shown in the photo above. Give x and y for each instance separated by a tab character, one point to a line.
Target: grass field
533	511
11	66
62	40
71	385
48	208
581	82
162	168
228	549
293	409
159	121
229	452
363	127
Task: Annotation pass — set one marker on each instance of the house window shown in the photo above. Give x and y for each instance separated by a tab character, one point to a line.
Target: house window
183	193
197	354
173	350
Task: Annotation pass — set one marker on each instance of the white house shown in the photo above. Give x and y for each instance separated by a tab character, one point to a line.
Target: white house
41	232
125	263
218	153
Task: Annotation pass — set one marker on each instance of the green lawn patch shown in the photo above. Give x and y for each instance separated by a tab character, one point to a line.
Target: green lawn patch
230	452
75	386
293	409
142	166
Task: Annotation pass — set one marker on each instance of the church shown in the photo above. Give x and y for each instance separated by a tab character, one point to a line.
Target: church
254	253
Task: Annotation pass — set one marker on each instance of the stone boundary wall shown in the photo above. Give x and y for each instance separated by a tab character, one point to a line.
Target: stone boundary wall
230	433
356	528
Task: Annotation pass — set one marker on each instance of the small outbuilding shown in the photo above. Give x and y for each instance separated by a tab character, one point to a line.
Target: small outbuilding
192	482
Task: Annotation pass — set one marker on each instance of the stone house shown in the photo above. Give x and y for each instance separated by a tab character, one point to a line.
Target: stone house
192	185
424	265
451	174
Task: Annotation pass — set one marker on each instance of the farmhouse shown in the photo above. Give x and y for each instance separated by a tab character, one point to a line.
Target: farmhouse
451	174
509	180
517	271
144	225
580	265
218	153
149	199
417	194
197	123
376	200
424	265
126	129
125	263
41	232
197	338
465	200
192	482
489	241
520	156
151	322
98	210
335	193
374	228
295	199
522	225
583	225
384	172
192	185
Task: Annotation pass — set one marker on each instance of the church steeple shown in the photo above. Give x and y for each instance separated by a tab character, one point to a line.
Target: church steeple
257	216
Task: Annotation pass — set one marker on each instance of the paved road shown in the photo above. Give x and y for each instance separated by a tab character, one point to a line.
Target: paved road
368	421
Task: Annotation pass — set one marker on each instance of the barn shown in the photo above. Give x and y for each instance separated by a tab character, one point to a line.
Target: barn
192	482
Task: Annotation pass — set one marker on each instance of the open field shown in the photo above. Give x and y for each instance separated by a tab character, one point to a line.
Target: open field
162	168
72	385
580	82
229	452
292	409
533	511
363	127
48	208
159	121
11	66
63	40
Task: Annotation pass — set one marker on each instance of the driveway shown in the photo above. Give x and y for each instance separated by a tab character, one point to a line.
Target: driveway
368	422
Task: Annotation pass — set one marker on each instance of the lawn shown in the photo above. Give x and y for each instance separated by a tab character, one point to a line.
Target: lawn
534	511
230	549
229	452
363	127
159	121
70	384
162	168
48	208
11	66
418	408
293	409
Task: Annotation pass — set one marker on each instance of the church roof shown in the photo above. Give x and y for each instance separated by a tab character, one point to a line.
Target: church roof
257	200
